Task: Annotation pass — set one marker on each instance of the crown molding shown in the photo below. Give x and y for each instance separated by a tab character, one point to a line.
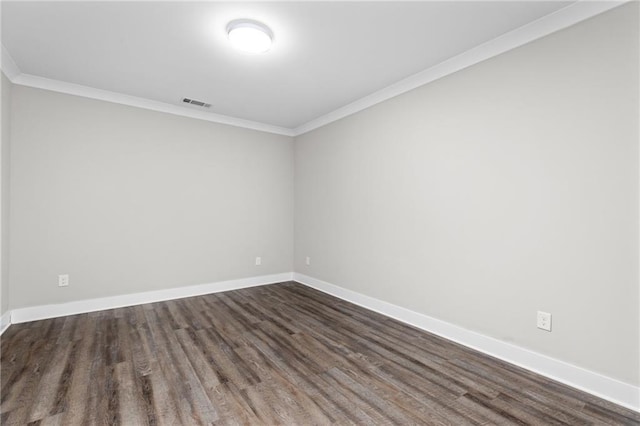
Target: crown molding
119	98
8	65
14	74
563	18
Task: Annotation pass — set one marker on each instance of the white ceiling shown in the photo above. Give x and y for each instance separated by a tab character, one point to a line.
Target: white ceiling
326	54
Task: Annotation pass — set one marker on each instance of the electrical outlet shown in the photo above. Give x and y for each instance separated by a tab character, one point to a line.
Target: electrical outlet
258	261
63	280
308	260
544	321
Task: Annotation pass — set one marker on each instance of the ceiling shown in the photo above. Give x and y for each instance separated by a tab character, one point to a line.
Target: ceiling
326	54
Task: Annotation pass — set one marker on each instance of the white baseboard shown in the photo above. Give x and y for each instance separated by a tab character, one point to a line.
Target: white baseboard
34	313
596	384
5	322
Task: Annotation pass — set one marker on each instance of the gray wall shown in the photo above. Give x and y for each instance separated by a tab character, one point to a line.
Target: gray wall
506	188
5	124
127	200
503	189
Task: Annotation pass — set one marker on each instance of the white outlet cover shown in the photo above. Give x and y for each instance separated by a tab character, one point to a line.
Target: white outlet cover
544	321
308	260
258	261
63	280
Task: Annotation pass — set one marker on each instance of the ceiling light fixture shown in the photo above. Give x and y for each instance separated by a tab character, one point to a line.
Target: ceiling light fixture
250	36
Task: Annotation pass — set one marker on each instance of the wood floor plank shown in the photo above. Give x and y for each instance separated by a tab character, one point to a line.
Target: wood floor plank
187	391
278	354
158	399
130	393
76	400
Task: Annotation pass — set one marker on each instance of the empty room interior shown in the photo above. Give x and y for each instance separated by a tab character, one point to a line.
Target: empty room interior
309	213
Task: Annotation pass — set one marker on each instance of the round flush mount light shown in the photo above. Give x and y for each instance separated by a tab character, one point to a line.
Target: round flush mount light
249	36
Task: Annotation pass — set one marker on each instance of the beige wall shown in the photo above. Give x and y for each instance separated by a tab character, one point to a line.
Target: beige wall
5	124
503	189
127	200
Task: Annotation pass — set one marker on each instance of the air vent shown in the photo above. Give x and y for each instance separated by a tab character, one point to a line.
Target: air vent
196	103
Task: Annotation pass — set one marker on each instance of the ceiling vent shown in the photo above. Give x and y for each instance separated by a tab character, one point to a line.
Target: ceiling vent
196	103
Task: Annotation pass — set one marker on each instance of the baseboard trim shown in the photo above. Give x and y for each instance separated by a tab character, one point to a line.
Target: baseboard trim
5	322
596	384
35	313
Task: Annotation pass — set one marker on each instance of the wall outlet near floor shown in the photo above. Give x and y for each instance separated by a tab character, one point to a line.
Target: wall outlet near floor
258	261
63	280
307	260
544	321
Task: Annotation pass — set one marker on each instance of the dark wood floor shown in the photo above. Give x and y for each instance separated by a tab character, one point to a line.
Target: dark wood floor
279	354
